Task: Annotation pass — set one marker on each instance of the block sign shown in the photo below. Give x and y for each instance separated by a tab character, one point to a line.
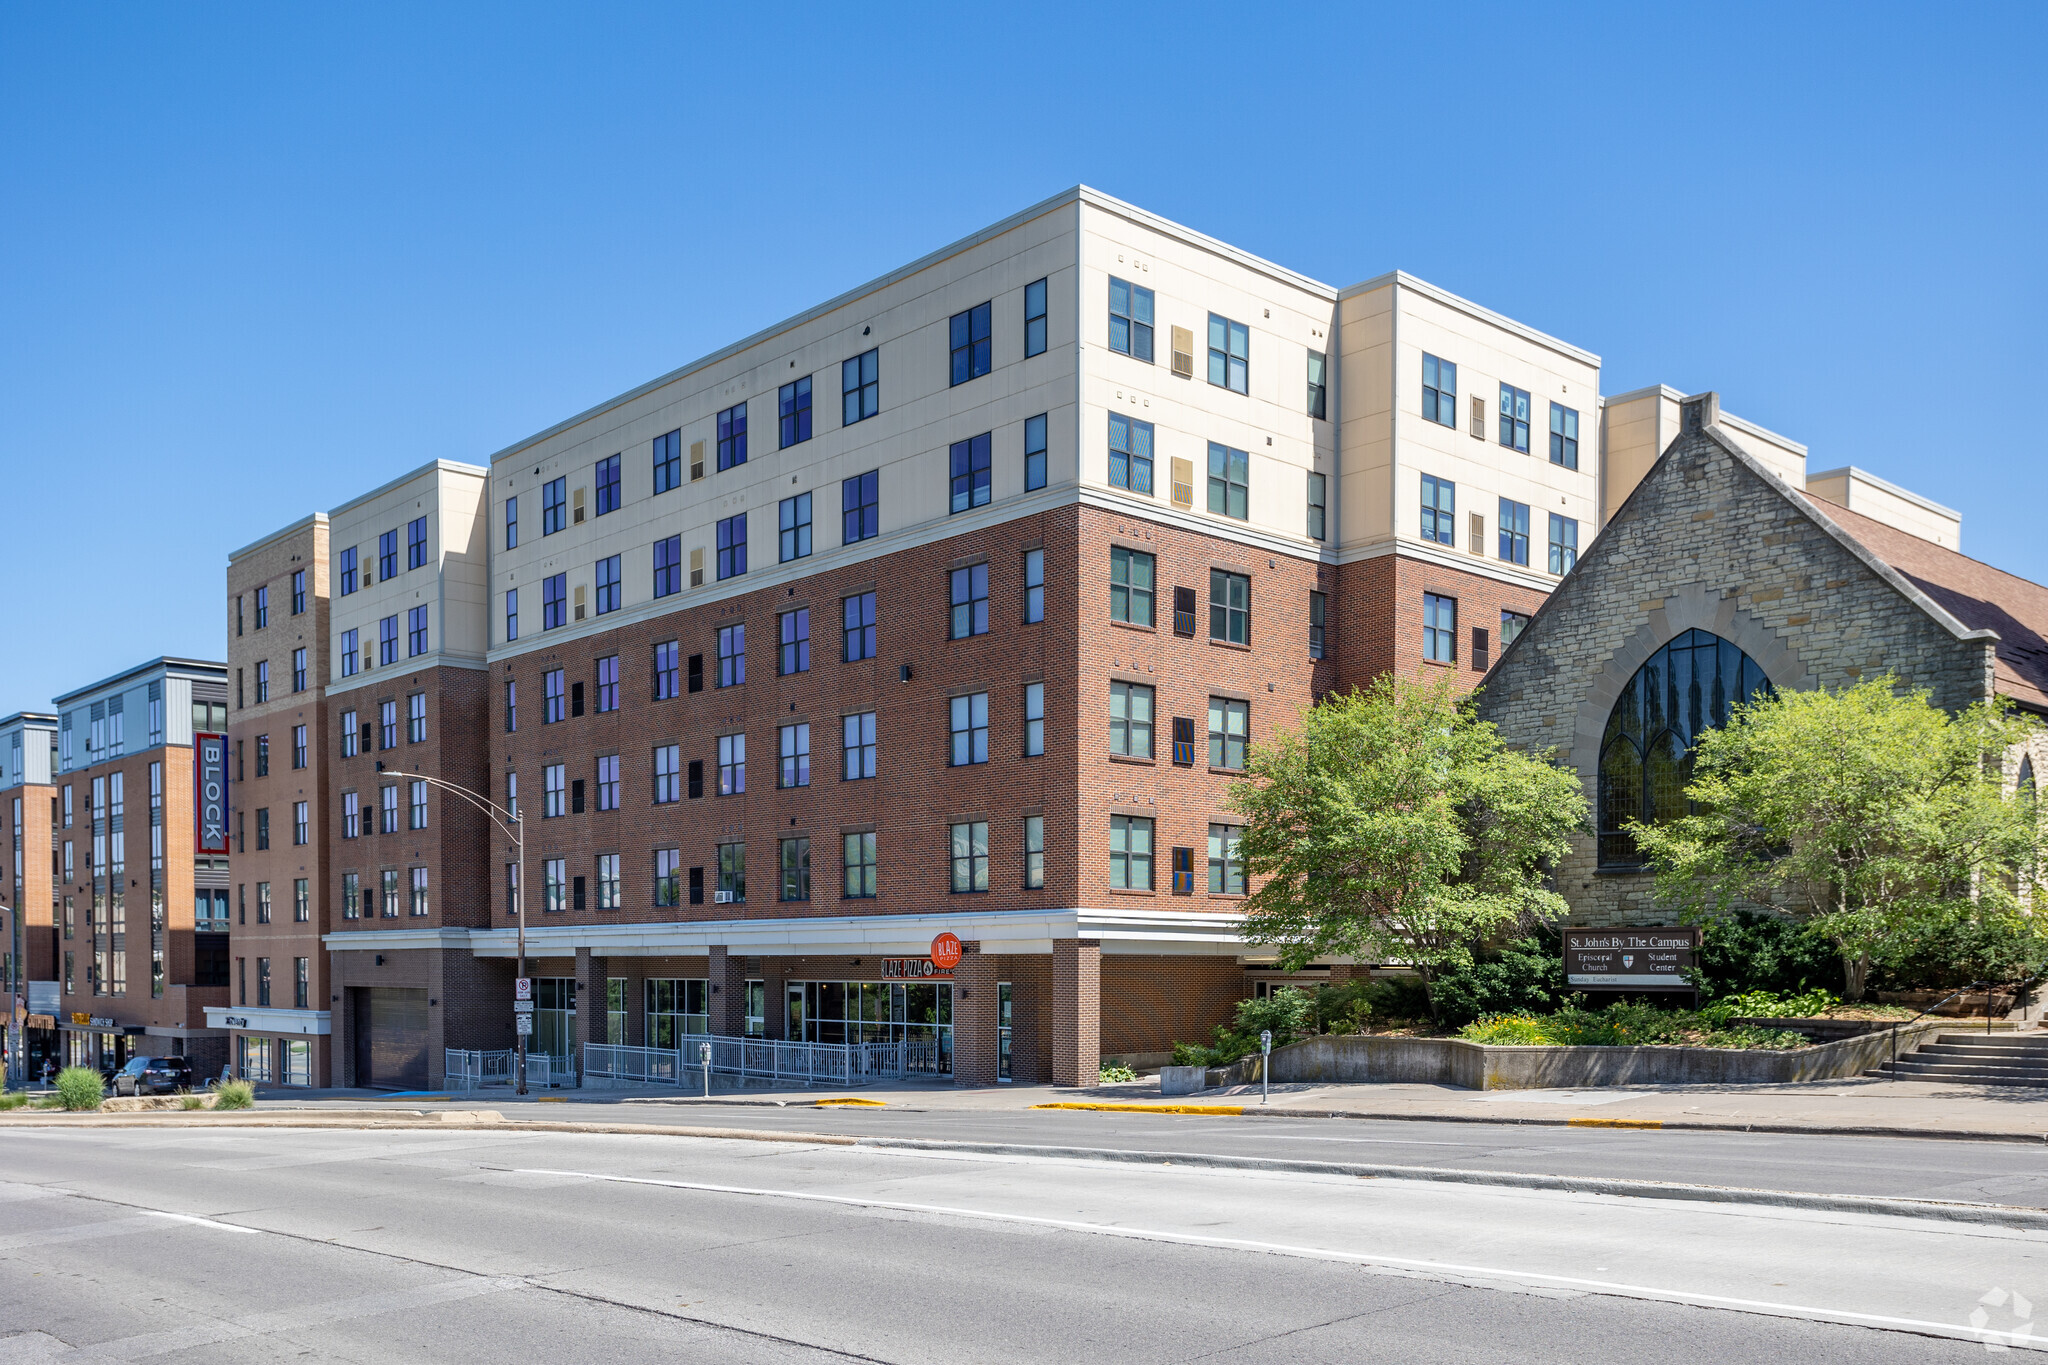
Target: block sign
1630	959
210	793
946	952
911	968
522	988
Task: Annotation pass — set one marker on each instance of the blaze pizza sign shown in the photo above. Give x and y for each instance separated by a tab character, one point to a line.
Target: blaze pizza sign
210	793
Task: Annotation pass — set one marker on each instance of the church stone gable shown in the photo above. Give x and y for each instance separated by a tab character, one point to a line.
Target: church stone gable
1709	541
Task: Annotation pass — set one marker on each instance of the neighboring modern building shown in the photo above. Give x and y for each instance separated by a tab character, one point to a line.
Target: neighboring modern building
142	922
28	939
278	640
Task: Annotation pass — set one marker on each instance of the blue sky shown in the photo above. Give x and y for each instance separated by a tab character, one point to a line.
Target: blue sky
258	259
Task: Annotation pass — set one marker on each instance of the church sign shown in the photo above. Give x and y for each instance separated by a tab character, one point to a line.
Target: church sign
1630	959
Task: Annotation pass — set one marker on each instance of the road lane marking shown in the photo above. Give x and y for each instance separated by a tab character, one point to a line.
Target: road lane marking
1226	1109
148	1221
1962	1331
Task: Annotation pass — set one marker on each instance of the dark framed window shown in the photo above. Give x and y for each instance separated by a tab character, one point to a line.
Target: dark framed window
387	554
1514	418
796	869
608	683
970	857
1183	872
1318	506
859	617
1230	479
299	592
1512	624
860	866
511	523
1130	454
1514	531
858	744
1130	853
387	640
668	566
969	336
969	602
1130	586
1318	606
1226	867
348	651
1184	741
793	412
795	653
1034	586
1564	543
860	388
1318	386
1034	319
794	520
1683	690
667	657
554	697
668	461
968	718
732	436
1184	612
1230	607
1564	436
1130	319
694	673
970	470
1439	510
1230	724
732	765
795	743
1131	709
1439	392
732	546
1229	354
1439	628
554	601
262	607
608	485
348	555
732	654
415	631
860	503
554	505
1034	452
609	596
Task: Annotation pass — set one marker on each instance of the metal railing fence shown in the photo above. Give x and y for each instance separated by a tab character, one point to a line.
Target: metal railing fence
765	1059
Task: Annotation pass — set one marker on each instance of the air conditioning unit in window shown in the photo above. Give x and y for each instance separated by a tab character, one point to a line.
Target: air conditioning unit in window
1183	483
1183	353
696	460
721	898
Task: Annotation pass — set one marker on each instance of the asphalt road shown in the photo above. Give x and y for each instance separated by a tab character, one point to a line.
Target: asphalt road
1918	1168
502	1246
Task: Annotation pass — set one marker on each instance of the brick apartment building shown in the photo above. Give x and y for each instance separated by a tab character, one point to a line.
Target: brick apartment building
28	896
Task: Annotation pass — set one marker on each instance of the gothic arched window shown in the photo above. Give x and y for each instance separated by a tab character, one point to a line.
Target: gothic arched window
1684	690
2025	785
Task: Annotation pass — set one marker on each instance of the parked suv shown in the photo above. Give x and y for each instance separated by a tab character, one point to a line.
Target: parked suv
153	1076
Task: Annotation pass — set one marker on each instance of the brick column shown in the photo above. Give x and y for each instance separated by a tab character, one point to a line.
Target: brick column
592	1015
1076	1011
774	1009
728	993
974	1017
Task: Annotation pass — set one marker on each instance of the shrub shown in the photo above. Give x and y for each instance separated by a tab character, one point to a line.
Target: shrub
1765	1005
13	1101
234	1095
1524	976
1758	951
192	1101
1396	998
1112	1074
1624	1024
80	1087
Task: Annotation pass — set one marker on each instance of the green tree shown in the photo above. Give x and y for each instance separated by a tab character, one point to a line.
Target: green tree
1868	812
1395	824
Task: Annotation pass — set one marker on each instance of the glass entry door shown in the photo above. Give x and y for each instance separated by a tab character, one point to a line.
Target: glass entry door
1003	1031
877	1012
554	1016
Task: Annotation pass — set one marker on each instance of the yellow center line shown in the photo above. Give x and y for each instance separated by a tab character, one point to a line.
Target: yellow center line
1149	1108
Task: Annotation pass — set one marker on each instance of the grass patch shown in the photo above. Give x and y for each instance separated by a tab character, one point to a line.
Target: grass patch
234	1095
80	1087
1626	1025
192	1101
13	1101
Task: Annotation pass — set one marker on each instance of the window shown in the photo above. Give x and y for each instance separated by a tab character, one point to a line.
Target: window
970	472
387	554
793	411
859	741
298	746
1439	510
348	570
796	755
1034	851
1683	690
732	437
1184	741
668	461
1130	454
732	765
511	523
350	739
970	343
387	724
263	988
860	501
1439	628
1034	452
1034	319
418	806
1564	543
512	792
607	481
1439	392
732	655
665	670
1130	853
695	674
608	882
1514	418
608	782
608	596
668	566
1130	720
263	755
1034	718
1226	872
795	523
1318	389
732	546
859	614
555	786
301	821
511	707
262	607
1229	354
1512	623
415	631
969	717
970	856
1317	607
969	602
795	654
732	873
860	390
667	886
262	681
387	813
608	683
668	774
1514	531
511	614
554	886
1184	611
416	718
554	601
302	908
1130	319
1230	607
1564	436
554	505
1318	506
1183	872
860	866
1229	732
796	870
1229	482
415	544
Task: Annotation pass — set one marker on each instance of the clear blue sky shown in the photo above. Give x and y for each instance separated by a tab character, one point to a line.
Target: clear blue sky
257	259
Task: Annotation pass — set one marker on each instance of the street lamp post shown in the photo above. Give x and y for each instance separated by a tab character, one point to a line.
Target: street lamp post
515	830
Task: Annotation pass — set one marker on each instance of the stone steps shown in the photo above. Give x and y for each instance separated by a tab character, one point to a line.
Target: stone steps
2011	1059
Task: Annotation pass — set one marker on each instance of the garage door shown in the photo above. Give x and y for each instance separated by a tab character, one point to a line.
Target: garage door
391	1038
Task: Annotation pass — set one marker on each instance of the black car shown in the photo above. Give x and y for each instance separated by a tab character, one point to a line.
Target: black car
153	1076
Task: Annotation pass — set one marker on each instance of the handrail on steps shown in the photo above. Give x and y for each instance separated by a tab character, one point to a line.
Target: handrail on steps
2019	1002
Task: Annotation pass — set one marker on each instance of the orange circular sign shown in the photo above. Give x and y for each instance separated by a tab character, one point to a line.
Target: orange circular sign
946	952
